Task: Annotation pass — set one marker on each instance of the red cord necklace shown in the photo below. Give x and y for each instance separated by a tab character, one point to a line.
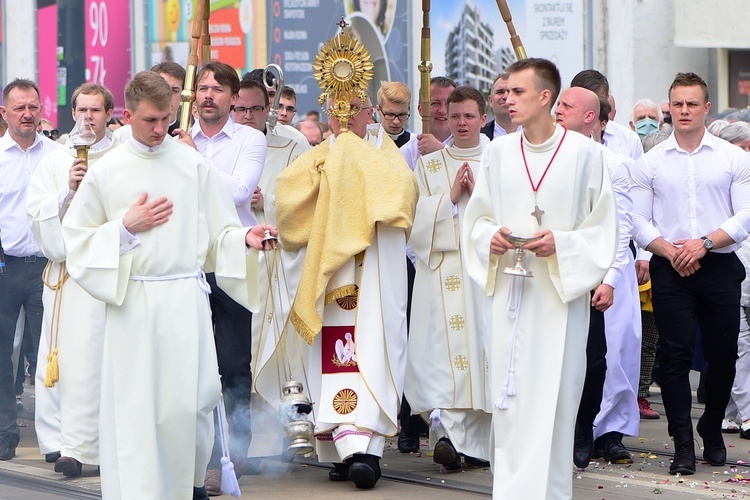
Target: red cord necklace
538	213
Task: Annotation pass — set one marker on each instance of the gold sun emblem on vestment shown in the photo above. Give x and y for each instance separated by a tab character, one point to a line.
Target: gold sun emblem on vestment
343	69
345	401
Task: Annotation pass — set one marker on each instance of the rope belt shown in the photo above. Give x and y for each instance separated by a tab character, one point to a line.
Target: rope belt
199	275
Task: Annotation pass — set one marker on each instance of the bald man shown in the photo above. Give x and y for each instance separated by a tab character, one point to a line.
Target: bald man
611	379
312	131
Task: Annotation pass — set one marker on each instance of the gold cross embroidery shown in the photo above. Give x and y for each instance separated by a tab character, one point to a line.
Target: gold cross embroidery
434	165
457	322
452	283
461	362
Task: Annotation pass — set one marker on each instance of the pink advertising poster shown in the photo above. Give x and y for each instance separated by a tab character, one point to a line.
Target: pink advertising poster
108	47
47	44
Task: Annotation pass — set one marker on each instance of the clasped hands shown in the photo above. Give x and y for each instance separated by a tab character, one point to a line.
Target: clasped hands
144	215
543	247
684	255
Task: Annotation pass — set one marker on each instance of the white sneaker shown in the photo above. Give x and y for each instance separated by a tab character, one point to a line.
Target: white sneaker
729	426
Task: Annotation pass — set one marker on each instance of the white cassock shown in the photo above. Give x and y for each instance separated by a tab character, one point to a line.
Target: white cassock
66	416
446	366
284	147
160	379
622	322
538	340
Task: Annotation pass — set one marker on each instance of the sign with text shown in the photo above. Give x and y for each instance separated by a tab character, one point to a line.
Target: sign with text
554	30
108	46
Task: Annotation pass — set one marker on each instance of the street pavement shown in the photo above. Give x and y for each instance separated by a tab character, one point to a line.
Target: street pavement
415	476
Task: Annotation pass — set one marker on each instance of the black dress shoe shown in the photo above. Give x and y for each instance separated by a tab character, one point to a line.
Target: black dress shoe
613	450
583	446
714	451
7	447
476	462
446	455
408	444
363	475
51	458
200	493
340	472
70	467
684	457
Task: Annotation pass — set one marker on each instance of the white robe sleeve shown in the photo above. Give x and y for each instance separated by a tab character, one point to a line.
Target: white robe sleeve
236	269
584	254
435	229
44	210
93	243
479	228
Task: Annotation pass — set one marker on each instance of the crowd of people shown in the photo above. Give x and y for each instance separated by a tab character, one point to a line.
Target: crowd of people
459	283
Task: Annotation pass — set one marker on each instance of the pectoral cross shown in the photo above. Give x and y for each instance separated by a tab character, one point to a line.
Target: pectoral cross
538	214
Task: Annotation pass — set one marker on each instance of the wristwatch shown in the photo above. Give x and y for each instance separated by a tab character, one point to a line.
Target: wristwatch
708	243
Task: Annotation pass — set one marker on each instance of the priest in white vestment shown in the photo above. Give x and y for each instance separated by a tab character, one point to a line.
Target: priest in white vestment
446	362
67	412
550	183
142	229
349	202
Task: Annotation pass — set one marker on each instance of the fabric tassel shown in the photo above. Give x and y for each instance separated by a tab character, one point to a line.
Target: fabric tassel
512	383
435	419
229	483
502	401
52	374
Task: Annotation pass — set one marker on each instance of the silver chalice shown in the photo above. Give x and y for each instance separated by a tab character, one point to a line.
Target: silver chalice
519	242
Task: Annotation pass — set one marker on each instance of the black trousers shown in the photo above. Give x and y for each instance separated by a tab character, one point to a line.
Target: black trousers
596	371
711	297
20	286
233	337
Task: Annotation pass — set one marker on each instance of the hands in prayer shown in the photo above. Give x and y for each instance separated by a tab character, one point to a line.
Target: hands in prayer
142	216
77	171
464	183
256	237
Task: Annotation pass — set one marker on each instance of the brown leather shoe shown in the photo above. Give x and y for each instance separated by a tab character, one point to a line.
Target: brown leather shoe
70	467
213	482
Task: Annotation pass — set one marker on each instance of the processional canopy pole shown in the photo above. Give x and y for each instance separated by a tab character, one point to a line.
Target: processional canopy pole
343	69
425	68
515	40
199	34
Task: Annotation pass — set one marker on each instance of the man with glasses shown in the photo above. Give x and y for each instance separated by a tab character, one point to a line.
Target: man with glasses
394	103
21	149
287	105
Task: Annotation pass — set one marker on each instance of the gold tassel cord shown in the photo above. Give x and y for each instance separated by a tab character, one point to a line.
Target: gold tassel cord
52	375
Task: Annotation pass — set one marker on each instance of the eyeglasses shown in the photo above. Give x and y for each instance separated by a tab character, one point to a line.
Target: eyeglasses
52	134
241	110
288	109
392	116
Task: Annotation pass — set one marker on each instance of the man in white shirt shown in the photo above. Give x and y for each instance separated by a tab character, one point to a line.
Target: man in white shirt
692	217
21	149
238	154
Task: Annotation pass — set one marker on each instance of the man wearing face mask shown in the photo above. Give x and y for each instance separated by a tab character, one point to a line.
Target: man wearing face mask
646	118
